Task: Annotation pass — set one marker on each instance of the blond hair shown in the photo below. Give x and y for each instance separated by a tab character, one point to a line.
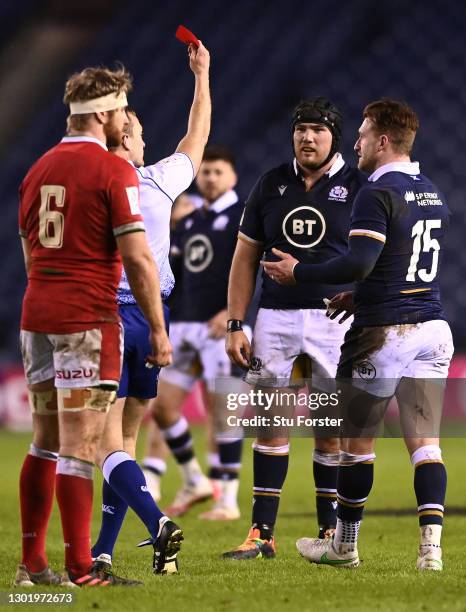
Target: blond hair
93	83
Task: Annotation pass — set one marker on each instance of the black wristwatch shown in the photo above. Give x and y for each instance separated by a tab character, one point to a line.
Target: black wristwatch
234	325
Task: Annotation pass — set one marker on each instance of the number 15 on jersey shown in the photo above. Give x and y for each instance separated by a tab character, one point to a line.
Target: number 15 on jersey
422	238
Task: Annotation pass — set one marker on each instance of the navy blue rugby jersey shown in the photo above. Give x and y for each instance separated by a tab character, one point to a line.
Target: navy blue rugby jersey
405	210
175	299
206	240
310	225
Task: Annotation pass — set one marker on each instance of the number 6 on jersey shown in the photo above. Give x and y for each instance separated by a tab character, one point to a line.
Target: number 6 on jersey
51	222
421	232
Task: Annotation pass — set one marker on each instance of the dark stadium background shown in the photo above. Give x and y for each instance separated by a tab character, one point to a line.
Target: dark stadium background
265	57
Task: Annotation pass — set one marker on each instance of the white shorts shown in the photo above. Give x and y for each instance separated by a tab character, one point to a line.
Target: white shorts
376	358
195	356
79	360
280	336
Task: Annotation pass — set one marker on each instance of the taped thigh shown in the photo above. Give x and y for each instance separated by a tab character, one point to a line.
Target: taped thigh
43	403
90	398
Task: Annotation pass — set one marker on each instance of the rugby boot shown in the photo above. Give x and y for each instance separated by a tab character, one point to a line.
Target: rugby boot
322	551
254	546
25	578
166	546
430	558
189	495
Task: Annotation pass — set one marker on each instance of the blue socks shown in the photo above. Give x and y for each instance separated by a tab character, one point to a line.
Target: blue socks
124	486
113	513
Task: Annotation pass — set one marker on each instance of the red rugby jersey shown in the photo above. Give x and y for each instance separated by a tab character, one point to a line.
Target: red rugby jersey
74	201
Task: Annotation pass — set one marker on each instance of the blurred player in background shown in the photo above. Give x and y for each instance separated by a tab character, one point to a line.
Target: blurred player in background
399	339
203	244
159	185
154	463
304	206
79	211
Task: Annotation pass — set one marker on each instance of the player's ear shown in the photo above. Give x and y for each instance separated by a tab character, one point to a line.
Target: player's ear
125	142
383	142
101	117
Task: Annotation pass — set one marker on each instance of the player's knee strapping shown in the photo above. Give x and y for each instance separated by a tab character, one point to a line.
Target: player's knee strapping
325	468
97	399
430	484
43	402
354	483
270	468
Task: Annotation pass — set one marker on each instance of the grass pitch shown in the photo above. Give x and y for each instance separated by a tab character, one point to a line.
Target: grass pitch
387	579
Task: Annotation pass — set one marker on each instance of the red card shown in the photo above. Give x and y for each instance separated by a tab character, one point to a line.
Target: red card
186	36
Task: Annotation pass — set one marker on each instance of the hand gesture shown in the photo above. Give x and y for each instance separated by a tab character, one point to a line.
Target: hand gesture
281	271
199	59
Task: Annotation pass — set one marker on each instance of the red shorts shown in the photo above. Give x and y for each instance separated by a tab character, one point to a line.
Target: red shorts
83	359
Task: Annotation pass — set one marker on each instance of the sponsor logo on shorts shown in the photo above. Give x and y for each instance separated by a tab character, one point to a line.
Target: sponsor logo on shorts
144	488
108	509
73	374
256	365
366	370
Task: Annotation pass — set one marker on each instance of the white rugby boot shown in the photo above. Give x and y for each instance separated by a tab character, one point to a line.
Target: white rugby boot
429	558
189	495
323	552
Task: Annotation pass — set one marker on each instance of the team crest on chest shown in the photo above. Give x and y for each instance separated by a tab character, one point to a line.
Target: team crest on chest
220	222
338	193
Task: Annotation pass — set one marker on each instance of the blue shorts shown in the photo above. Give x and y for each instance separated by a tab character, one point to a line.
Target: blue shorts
137	380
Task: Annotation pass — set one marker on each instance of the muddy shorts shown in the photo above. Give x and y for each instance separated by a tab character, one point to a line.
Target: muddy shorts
83	359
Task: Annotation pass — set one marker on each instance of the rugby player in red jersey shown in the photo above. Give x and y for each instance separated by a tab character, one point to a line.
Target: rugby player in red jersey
79	211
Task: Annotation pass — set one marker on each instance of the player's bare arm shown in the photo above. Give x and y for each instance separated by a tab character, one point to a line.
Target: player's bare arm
26	253
194	141
143	278
240	291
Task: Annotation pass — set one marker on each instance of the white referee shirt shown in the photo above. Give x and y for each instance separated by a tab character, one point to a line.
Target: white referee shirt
159	185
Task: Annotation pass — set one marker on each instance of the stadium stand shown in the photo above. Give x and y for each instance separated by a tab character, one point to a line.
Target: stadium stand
266	56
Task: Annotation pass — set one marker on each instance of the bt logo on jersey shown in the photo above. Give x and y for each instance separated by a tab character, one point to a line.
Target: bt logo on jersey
198	253
304	227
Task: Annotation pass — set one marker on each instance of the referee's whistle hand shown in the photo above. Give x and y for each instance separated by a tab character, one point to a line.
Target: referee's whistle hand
161	349
238	349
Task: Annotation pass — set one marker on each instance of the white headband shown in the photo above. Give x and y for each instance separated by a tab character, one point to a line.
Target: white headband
98	105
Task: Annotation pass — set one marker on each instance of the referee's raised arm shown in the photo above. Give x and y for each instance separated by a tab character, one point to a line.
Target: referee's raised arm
195	139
